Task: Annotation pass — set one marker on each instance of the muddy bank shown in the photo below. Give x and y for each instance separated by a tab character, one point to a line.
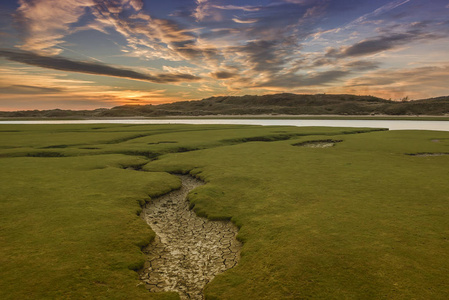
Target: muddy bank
188	251
318	143
428	154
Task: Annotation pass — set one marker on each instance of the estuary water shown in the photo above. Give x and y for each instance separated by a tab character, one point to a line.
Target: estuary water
390	124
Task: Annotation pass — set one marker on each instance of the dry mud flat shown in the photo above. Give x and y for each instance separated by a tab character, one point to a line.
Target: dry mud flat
188	251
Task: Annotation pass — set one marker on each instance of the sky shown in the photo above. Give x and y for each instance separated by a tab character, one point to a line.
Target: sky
87	54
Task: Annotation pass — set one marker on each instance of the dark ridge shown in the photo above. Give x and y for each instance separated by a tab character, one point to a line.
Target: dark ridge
426	154
266	138
147	154
135	167
163	142
183	149
55	147
45	154
286	104
364	131
128	138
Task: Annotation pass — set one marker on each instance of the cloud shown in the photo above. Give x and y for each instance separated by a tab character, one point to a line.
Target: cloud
11	74
236	7
153	38
380	43
432	76
248	21
136	4
314	12
292	80
49	90
44	23
398	83
261	55
381	10
206	10
65	64
203	10
362	65
223	75
300	2
29	89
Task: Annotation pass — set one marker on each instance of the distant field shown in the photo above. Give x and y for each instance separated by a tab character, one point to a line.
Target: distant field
324	213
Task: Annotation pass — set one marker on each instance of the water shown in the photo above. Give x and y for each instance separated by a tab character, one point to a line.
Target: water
390	124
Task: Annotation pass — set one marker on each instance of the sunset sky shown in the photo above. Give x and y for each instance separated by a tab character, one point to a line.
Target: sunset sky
86	54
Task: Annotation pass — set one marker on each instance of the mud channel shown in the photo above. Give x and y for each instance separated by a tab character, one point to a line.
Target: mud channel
318	143
188	251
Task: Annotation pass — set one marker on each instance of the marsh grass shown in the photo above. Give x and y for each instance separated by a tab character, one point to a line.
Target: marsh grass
360	220
70	229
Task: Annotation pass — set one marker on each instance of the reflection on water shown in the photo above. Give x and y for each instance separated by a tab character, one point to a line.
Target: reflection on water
390	124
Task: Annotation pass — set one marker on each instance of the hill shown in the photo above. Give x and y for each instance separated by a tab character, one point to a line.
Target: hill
286	104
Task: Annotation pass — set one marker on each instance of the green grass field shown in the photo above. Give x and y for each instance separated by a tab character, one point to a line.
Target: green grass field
363	219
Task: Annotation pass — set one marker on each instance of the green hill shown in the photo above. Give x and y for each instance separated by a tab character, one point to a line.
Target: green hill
285	104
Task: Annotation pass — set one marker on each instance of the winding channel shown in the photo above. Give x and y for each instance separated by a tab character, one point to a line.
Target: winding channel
188	251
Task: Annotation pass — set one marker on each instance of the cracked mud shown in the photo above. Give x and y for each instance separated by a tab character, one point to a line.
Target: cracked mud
319	145
188	251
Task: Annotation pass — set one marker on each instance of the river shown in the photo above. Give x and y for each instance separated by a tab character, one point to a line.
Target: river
390	124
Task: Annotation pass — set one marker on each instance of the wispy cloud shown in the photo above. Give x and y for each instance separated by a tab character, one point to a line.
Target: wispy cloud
248	21
381	10
203	10
45	23
398	83
65	64
300	2
29	89
153	38
223	75
300	80
382	43
236	7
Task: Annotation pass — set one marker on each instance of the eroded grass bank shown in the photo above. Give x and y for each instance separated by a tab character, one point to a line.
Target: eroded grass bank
358	220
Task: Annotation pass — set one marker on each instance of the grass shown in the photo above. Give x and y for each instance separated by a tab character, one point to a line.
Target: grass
70	227
360	220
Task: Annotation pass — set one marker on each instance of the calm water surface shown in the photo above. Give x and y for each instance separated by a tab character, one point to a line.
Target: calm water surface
390	124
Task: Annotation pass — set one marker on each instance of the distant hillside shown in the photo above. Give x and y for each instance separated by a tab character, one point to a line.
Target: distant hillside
285	104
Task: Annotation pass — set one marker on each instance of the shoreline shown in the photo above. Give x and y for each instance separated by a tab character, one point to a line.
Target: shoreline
262	116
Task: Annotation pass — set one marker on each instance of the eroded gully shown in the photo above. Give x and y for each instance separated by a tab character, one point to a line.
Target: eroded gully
188	251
